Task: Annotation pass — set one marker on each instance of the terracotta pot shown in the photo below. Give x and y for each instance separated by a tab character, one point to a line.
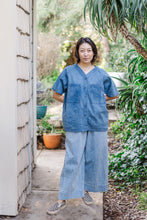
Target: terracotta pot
51	140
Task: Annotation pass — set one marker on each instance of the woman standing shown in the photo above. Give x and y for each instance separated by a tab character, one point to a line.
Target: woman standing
86	89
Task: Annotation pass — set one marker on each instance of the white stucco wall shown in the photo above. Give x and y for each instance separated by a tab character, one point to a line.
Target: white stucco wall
8	117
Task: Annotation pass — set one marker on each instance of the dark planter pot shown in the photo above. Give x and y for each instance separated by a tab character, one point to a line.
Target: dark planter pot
41	111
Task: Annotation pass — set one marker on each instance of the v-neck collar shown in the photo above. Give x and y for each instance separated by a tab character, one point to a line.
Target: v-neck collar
82	72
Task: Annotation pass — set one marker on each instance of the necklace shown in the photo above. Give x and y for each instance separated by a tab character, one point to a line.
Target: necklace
85	69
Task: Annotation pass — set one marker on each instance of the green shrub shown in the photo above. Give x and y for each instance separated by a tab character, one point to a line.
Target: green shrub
143	201
129	164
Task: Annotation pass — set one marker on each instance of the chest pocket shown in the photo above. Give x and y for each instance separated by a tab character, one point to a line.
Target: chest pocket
74	93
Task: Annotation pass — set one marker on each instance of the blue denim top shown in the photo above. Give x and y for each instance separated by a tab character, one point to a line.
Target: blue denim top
84	107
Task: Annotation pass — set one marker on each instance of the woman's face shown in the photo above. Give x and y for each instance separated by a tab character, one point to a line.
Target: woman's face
85	53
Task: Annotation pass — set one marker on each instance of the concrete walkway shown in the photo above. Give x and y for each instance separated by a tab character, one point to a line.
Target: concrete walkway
45	186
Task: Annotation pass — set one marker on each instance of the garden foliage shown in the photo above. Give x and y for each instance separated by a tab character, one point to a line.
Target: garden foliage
129	165
117	59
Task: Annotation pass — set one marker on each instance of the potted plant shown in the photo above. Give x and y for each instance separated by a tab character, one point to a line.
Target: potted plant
41	99
51	137
51	140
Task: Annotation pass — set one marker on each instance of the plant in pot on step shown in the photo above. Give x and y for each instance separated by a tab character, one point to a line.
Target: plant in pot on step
42	93
51	137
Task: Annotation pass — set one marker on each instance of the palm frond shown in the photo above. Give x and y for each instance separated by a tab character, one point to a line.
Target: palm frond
121	80
108	15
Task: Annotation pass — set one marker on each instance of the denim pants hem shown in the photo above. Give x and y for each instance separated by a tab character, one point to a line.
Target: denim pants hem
98	188
85	164
66	196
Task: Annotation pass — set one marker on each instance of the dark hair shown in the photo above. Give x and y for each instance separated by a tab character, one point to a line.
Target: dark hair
92	44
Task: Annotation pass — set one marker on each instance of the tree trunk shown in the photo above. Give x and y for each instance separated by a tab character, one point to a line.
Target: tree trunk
124	31
106	46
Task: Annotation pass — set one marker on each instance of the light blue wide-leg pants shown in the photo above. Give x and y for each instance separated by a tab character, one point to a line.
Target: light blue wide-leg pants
85	164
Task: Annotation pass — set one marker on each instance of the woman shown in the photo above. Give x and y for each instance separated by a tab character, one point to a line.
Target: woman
86	89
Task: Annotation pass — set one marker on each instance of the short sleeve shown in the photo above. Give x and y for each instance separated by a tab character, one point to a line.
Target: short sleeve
60	85
110	88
